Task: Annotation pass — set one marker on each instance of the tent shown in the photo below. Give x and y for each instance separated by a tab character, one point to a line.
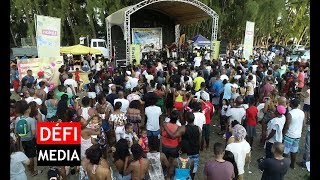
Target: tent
79	49
199	40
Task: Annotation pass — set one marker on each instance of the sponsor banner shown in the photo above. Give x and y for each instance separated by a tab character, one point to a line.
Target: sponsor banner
248	40
50	66
150	39
48	36
135	53
215	48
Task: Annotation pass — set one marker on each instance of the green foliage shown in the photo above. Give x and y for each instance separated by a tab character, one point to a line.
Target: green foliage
87	17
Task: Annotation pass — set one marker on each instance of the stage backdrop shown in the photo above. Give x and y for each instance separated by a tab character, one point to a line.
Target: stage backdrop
50	66
48	36
150	39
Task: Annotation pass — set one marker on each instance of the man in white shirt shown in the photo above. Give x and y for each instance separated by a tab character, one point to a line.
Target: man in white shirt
236	112
197	61
274	129
202	91
124	102
71	84
133	80
223	75
292	131
153	114
199	117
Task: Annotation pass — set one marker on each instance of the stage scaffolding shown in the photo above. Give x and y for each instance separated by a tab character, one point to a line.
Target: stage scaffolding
132	9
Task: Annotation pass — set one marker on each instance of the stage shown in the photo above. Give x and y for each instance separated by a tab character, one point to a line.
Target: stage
168	15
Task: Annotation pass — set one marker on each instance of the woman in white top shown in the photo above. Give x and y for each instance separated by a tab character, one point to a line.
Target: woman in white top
88	136
240	148
86	111
17	161
118	119
249	89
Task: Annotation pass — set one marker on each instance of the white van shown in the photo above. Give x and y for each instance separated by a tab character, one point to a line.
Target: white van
101	45
97	44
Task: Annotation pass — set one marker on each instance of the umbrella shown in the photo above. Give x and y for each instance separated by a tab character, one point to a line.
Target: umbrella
79	49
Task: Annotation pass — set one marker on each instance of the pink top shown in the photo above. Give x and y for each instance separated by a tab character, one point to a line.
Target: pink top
300	79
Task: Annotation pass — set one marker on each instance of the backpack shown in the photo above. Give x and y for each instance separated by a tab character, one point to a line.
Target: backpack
22	127
182	173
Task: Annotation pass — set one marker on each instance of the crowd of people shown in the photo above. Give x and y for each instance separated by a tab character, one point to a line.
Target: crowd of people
153	120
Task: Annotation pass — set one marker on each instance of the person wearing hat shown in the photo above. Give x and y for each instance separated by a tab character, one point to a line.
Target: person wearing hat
292	130
207	110
240	149
42	79
274	129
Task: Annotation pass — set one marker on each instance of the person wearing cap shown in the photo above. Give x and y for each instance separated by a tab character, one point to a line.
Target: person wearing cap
208	110
240	149
42	79
274	129
292	130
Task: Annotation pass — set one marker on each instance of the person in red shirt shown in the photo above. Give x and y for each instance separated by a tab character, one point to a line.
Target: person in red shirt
208	110
251	114
77	75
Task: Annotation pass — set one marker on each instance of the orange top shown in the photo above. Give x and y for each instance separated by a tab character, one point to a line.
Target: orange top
166	140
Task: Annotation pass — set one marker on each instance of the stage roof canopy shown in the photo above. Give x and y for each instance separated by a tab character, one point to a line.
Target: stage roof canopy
183	13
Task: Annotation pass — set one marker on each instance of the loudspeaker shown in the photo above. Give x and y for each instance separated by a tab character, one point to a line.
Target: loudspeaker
120	49
223	46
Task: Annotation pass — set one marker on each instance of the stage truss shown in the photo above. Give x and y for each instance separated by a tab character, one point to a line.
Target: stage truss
136	7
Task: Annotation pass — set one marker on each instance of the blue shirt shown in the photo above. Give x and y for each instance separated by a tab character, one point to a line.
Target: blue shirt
217	87
29	78
227	91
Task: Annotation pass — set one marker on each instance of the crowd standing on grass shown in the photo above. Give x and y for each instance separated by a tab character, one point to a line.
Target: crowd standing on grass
153	120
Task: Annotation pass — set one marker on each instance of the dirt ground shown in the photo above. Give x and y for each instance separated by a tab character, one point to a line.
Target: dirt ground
251	172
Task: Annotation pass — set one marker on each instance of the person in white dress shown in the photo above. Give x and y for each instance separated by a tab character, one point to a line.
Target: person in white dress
17	161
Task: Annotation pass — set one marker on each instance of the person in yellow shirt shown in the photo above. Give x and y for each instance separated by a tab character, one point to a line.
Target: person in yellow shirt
197	81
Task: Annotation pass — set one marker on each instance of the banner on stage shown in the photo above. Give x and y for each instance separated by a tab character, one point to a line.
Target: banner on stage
50	66
135	53
150	39
215	48
48	36
248	40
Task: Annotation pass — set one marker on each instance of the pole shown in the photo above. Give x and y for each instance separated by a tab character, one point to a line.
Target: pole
88	40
